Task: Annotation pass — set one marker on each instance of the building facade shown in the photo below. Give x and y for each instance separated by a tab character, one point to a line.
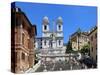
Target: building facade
38	43
78	41
50	44
52	38
22	41
38	46
93	43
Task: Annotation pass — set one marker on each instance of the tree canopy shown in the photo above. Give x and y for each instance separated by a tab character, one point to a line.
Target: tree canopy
69	47
85	49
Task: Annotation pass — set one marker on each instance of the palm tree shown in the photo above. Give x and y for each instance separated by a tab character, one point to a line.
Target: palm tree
79	34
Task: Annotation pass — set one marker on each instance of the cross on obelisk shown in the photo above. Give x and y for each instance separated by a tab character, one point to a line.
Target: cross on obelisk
53	35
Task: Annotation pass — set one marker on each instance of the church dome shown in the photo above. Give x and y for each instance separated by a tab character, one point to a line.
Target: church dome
59	20
45	20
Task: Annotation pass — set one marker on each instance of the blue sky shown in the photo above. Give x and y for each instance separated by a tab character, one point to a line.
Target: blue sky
74	17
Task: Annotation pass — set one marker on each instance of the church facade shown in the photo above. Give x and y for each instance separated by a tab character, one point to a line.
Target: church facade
52	40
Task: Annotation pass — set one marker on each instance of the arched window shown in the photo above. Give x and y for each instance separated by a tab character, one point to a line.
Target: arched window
59	27
50	43
44	42
23	56
45	27
59	42
28	44
23	38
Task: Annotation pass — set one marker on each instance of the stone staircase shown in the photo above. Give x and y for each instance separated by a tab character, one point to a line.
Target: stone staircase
35	67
